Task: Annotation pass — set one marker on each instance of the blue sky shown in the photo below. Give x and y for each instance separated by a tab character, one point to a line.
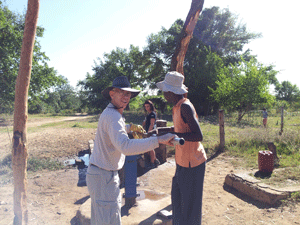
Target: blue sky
77	32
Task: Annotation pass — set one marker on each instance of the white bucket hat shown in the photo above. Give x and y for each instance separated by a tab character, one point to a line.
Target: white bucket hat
173	82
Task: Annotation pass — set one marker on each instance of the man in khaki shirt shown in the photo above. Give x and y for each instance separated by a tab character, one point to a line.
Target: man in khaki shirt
111	146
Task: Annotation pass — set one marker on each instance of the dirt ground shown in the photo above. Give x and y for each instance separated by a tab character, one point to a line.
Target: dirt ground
54	198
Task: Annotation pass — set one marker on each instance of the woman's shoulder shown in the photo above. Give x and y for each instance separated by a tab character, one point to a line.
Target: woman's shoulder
152	114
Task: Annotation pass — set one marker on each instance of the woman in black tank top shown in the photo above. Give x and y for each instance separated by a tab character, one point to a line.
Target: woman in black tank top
149	124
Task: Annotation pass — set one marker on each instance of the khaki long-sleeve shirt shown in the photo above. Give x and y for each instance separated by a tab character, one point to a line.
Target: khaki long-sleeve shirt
112	142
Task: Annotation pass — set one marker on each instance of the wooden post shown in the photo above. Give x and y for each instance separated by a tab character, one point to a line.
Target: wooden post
222	130
161	151
281	125
19	151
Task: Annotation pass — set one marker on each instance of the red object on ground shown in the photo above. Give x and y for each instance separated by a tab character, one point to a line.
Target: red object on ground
265	161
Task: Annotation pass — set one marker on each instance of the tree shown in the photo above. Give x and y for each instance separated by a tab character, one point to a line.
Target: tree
241	86
119	62
287	91
221	31
19	151
63	98
202	60
11	35
202	70
217	41
60	99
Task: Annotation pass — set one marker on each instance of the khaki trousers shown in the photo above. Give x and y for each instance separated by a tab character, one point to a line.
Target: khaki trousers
105	196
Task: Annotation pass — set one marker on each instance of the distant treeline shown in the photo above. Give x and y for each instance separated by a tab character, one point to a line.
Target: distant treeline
219	72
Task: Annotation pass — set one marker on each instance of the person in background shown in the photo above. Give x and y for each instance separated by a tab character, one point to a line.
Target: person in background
110	147
149	124
265	117
187	183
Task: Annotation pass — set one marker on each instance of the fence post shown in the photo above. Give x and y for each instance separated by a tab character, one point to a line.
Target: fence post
281	126
161	151
222	130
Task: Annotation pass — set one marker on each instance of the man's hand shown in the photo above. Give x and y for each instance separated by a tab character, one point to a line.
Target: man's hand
166	139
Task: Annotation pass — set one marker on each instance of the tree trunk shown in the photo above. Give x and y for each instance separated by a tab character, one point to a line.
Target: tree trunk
19	151
243	112
185	36
240	117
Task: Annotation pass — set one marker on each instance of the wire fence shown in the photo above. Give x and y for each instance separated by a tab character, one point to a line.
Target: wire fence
254	118
250	131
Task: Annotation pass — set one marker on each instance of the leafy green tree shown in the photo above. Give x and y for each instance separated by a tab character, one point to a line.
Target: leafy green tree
218	41
221	30
241	86
201	74
11	35
60	99
119	62
287	91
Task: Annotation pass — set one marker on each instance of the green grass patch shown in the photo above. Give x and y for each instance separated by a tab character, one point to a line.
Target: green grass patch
6	129
36	164
282	177
295	196
84	124
292	201
33	164
90	123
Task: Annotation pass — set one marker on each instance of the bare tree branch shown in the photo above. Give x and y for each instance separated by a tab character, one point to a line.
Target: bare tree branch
186	35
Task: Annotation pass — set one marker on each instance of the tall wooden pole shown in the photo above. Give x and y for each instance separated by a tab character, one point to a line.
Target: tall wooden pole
185	36
19	151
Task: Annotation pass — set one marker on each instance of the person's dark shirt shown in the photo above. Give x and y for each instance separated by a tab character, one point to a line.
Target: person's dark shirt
148	119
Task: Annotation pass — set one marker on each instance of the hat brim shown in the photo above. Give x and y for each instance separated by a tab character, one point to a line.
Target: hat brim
163	86
106	91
